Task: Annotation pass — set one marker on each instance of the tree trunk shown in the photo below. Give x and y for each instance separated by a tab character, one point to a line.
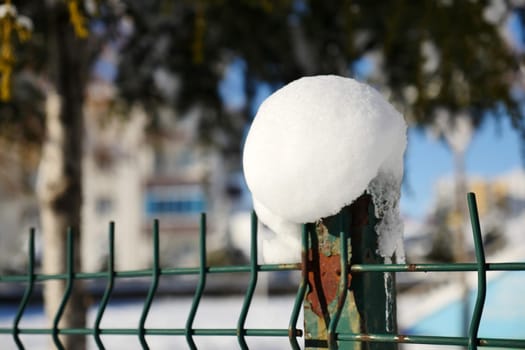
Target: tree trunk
60	174
459	249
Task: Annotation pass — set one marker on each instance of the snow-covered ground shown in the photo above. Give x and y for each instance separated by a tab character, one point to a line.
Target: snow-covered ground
433	312
438	311
214	312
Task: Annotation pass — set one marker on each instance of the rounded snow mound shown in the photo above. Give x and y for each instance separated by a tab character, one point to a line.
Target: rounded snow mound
316	144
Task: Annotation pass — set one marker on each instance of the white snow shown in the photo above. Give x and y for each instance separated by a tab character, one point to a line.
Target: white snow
8	10
25	22
213	312
314	147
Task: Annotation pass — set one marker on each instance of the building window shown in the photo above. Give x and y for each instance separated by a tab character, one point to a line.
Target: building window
103	205
179	200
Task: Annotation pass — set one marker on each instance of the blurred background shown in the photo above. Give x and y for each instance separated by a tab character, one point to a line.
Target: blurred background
128	111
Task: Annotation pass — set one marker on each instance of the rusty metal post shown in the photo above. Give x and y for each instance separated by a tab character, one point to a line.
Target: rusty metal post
369	303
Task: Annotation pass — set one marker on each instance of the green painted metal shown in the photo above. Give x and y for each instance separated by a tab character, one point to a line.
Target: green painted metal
241	332
434	340
482	274
293	332
329	306
348	320
362	306
341	290
109	286
28	291
67	291
155	274
200	286
456	267
354	269
374	292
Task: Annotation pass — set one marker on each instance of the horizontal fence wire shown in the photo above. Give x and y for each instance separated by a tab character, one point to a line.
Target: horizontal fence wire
31	278
472	341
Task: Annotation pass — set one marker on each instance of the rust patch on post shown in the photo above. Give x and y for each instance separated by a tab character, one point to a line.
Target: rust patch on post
324	272
324	259
365	338
362	312
401	338
323	277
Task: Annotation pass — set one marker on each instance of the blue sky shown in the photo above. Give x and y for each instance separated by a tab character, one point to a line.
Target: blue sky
494	150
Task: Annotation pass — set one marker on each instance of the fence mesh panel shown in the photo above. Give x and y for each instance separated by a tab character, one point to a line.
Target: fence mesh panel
31	278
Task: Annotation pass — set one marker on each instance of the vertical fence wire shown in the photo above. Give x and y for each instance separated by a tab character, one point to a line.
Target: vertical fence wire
293	332
342	288
201	285
251	287
481	271
472	341
155	274
68	288
109	286
29	288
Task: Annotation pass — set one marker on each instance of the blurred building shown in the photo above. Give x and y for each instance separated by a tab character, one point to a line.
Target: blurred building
133	178
504	193
501	207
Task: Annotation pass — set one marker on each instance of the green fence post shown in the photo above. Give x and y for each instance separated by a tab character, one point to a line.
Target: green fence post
363	303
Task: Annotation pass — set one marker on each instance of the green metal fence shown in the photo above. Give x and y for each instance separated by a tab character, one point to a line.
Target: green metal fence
335	338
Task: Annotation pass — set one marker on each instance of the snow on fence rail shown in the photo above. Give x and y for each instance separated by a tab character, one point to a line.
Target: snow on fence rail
343	306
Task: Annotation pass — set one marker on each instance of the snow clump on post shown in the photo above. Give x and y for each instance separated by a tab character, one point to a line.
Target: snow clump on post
315	146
